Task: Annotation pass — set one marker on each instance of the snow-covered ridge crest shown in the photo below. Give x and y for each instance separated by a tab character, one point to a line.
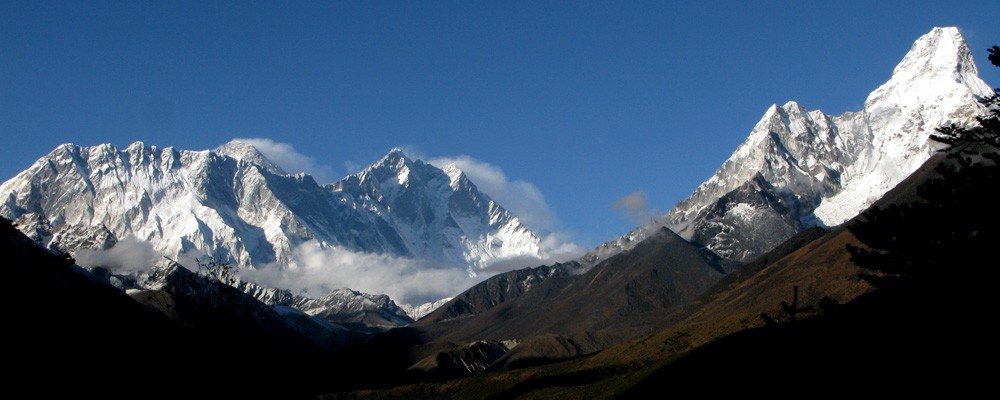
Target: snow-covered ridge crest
801	167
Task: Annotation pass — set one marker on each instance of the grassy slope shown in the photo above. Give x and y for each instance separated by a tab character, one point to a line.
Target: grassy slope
820	267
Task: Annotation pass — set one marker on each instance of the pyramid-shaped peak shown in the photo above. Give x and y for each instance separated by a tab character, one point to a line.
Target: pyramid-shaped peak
396	153
396	158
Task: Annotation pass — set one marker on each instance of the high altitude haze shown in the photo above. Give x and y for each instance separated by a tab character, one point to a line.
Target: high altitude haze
577	104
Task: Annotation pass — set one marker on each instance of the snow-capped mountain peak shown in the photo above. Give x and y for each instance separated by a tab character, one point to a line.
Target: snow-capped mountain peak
940	54
799	167
443	211
935	84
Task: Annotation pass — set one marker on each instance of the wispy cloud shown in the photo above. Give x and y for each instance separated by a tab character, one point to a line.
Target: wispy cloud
635	207
290	160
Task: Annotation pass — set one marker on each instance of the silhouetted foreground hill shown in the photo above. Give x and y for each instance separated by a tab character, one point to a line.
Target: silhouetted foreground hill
61	320
83	337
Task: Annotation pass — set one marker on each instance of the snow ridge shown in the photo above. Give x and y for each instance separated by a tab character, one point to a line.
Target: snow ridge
237	206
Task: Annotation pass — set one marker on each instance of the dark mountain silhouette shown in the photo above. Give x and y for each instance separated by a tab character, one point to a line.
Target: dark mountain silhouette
619	297
62	319
207	304
498	289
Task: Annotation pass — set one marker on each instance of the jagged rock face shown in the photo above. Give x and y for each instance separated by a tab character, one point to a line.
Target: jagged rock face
498	289
749	220
342	307
345	306
238	206
205	303
419	311
800	168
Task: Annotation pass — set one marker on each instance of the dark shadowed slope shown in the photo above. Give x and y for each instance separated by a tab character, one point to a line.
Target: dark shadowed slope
497	289
820	267
81	336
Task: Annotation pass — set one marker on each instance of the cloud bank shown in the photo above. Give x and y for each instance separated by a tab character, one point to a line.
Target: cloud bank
128	255
319	270
290	160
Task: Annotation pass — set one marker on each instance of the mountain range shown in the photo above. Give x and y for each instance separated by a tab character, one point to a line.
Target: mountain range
235	205
759	244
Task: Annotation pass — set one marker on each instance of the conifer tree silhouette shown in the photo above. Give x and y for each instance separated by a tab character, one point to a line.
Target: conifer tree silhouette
950	234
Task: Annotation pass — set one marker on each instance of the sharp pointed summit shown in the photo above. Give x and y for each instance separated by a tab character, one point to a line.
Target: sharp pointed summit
935	84
440	209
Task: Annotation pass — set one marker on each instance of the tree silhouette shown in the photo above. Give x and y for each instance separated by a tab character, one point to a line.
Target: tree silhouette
218	271
994	55
7	227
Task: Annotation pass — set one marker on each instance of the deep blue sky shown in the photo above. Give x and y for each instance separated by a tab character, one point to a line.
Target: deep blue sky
587	101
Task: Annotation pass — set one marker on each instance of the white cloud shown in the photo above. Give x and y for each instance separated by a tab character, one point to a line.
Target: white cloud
319	270
554	248
128	255
290	160
635	207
